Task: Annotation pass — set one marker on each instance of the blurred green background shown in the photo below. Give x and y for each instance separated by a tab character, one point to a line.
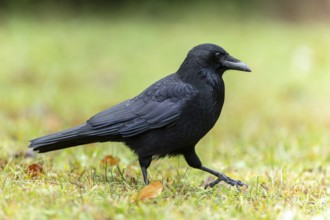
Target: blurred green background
63	61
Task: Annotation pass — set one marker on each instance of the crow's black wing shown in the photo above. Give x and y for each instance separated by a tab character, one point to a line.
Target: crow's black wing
159	105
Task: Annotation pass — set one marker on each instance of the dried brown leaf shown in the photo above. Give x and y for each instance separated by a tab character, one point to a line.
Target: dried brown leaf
109	161
149	192
34	170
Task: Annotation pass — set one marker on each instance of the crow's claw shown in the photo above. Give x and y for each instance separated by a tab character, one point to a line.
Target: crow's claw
227	180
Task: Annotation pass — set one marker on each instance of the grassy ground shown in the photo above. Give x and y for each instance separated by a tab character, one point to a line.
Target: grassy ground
273	133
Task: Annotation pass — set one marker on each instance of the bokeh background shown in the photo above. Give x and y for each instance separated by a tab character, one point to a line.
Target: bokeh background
63	61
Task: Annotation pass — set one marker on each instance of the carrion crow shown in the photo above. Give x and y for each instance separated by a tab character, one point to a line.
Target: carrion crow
166	119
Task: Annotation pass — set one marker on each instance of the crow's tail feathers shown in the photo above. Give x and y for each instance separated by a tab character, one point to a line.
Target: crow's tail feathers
68	138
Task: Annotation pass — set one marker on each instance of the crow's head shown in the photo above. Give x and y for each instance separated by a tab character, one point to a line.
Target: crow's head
211	56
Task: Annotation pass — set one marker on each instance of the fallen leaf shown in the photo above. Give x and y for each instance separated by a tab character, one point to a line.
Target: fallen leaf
109	161
149	192
34	170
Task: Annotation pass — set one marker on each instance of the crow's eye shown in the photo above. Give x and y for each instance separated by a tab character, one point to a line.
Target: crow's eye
220	54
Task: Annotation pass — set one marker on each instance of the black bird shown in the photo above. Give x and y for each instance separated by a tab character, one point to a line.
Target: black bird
166	119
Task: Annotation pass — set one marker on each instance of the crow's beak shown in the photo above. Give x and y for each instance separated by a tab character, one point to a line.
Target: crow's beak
232	63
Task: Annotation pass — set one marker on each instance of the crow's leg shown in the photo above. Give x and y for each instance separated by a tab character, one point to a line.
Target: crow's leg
144	164
193	161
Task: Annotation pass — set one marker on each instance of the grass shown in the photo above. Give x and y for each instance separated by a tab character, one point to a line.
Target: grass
272	134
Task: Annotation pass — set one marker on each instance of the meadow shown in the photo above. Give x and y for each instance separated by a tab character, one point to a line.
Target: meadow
273	134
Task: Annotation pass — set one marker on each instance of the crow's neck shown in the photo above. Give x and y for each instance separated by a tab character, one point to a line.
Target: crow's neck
201	76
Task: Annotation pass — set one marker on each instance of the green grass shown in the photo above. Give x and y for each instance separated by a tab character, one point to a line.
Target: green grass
273	133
